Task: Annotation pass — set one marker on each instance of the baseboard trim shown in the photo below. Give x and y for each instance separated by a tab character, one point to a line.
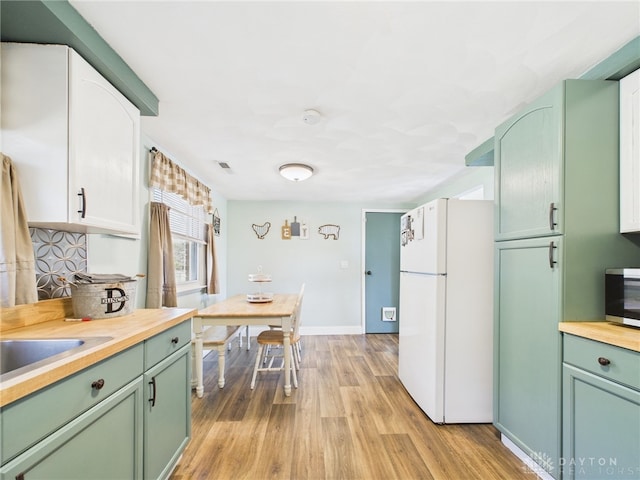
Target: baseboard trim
530	466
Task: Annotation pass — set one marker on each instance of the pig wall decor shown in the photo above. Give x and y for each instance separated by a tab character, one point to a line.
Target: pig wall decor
329	231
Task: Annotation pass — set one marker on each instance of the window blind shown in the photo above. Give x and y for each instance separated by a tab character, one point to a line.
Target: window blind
185	220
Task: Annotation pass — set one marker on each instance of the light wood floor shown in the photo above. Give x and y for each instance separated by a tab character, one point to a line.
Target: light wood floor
350	419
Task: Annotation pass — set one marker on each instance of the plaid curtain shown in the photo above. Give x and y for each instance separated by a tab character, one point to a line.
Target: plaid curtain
169	177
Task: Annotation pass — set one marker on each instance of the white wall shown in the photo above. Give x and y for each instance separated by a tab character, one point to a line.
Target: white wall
121	254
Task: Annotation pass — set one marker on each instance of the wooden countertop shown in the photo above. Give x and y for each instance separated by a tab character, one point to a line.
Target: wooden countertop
125	332
606	332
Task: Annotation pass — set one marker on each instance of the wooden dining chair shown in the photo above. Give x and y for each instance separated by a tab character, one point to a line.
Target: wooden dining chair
269	340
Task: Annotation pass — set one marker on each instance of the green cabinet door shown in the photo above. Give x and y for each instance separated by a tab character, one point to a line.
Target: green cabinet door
601	426
528	170
167	413
105	442
528	361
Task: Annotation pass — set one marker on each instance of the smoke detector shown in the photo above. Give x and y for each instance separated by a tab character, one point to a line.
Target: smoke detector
311	117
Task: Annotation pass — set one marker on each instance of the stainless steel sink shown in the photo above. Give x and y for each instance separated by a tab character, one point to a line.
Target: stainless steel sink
19	356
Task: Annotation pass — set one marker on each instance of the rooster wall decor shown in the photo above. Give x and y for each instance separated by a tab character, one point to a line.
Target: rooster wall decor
261	230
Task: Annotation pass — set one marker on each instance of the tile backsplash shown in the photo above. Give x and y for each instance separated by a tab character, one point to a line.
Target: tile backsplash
57	254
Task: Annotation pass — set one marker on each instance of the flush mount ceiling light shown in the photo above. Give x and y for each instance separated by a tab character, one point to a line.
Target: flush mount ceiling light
296	172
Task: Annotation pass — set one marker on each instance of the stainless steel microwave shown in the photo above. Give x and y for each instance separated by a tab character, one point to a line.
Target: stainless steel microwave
622	295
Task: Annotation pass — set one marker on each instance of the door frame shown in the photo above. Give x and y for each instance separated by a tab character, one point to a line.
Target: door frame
363	252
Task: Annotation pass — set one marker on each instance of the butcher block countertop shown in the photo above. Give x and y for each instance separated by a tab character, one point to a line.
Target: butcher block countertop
125	332
605	332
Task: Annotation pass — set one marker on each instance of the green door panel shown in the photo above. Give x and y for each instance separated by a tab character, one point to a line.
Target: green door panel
103	443
601	428
528	170
527	377
167	421
382	259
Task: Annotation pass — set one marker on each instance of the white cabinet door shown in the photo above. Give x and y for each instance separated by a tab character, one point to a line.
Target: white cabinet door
103	157
630	153
67	129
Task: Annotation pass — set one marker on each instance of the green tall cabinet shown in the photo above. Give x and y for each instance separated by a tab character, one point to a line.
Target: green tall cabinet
556	231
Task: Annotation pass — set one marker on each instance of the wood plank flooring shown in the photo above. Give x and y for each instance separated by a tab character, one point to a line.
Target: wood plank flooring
350	419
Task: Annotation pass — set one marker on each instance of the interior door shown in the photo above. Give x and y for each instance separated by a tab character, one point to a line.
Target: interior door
382	271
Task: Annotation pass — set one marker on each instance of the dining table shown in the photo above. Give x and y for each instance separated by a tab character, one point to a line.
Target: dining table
237	310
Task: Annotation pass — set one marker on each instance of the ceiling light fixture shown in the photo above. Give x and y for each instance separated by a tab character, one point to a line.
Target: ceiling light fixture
296	172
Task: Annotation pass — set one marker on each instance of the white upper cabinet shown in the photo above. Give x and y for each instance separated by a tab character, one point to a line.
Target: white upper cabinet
630	153
74	139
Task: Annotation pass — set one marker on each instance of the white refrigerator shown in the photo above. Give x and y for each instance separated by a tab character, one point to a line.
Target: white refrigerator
446	309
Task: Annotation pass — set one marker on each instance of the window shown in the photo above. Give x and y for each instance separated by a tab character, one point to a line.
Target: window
187	223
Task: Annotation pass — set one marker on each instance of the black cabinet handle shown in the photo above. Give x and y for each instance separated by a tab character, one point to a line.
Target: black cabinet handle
98	384
604	361
152	400
368	272
175	340
552	223
552	262
83	198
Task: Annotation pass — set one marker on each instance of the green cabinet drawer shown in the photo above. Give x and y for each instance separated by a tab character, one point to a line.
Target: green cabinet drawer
608	361
166	343
30	419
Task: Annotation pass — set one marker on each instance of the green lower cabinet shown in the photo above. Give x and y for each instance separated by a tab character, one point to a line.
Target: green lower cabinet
601	411
167	418
601	428
527	376
134	425
105	442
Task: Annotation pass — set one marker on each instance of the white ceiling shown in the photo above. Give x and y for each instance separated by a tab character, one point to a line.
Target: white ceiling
405	89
